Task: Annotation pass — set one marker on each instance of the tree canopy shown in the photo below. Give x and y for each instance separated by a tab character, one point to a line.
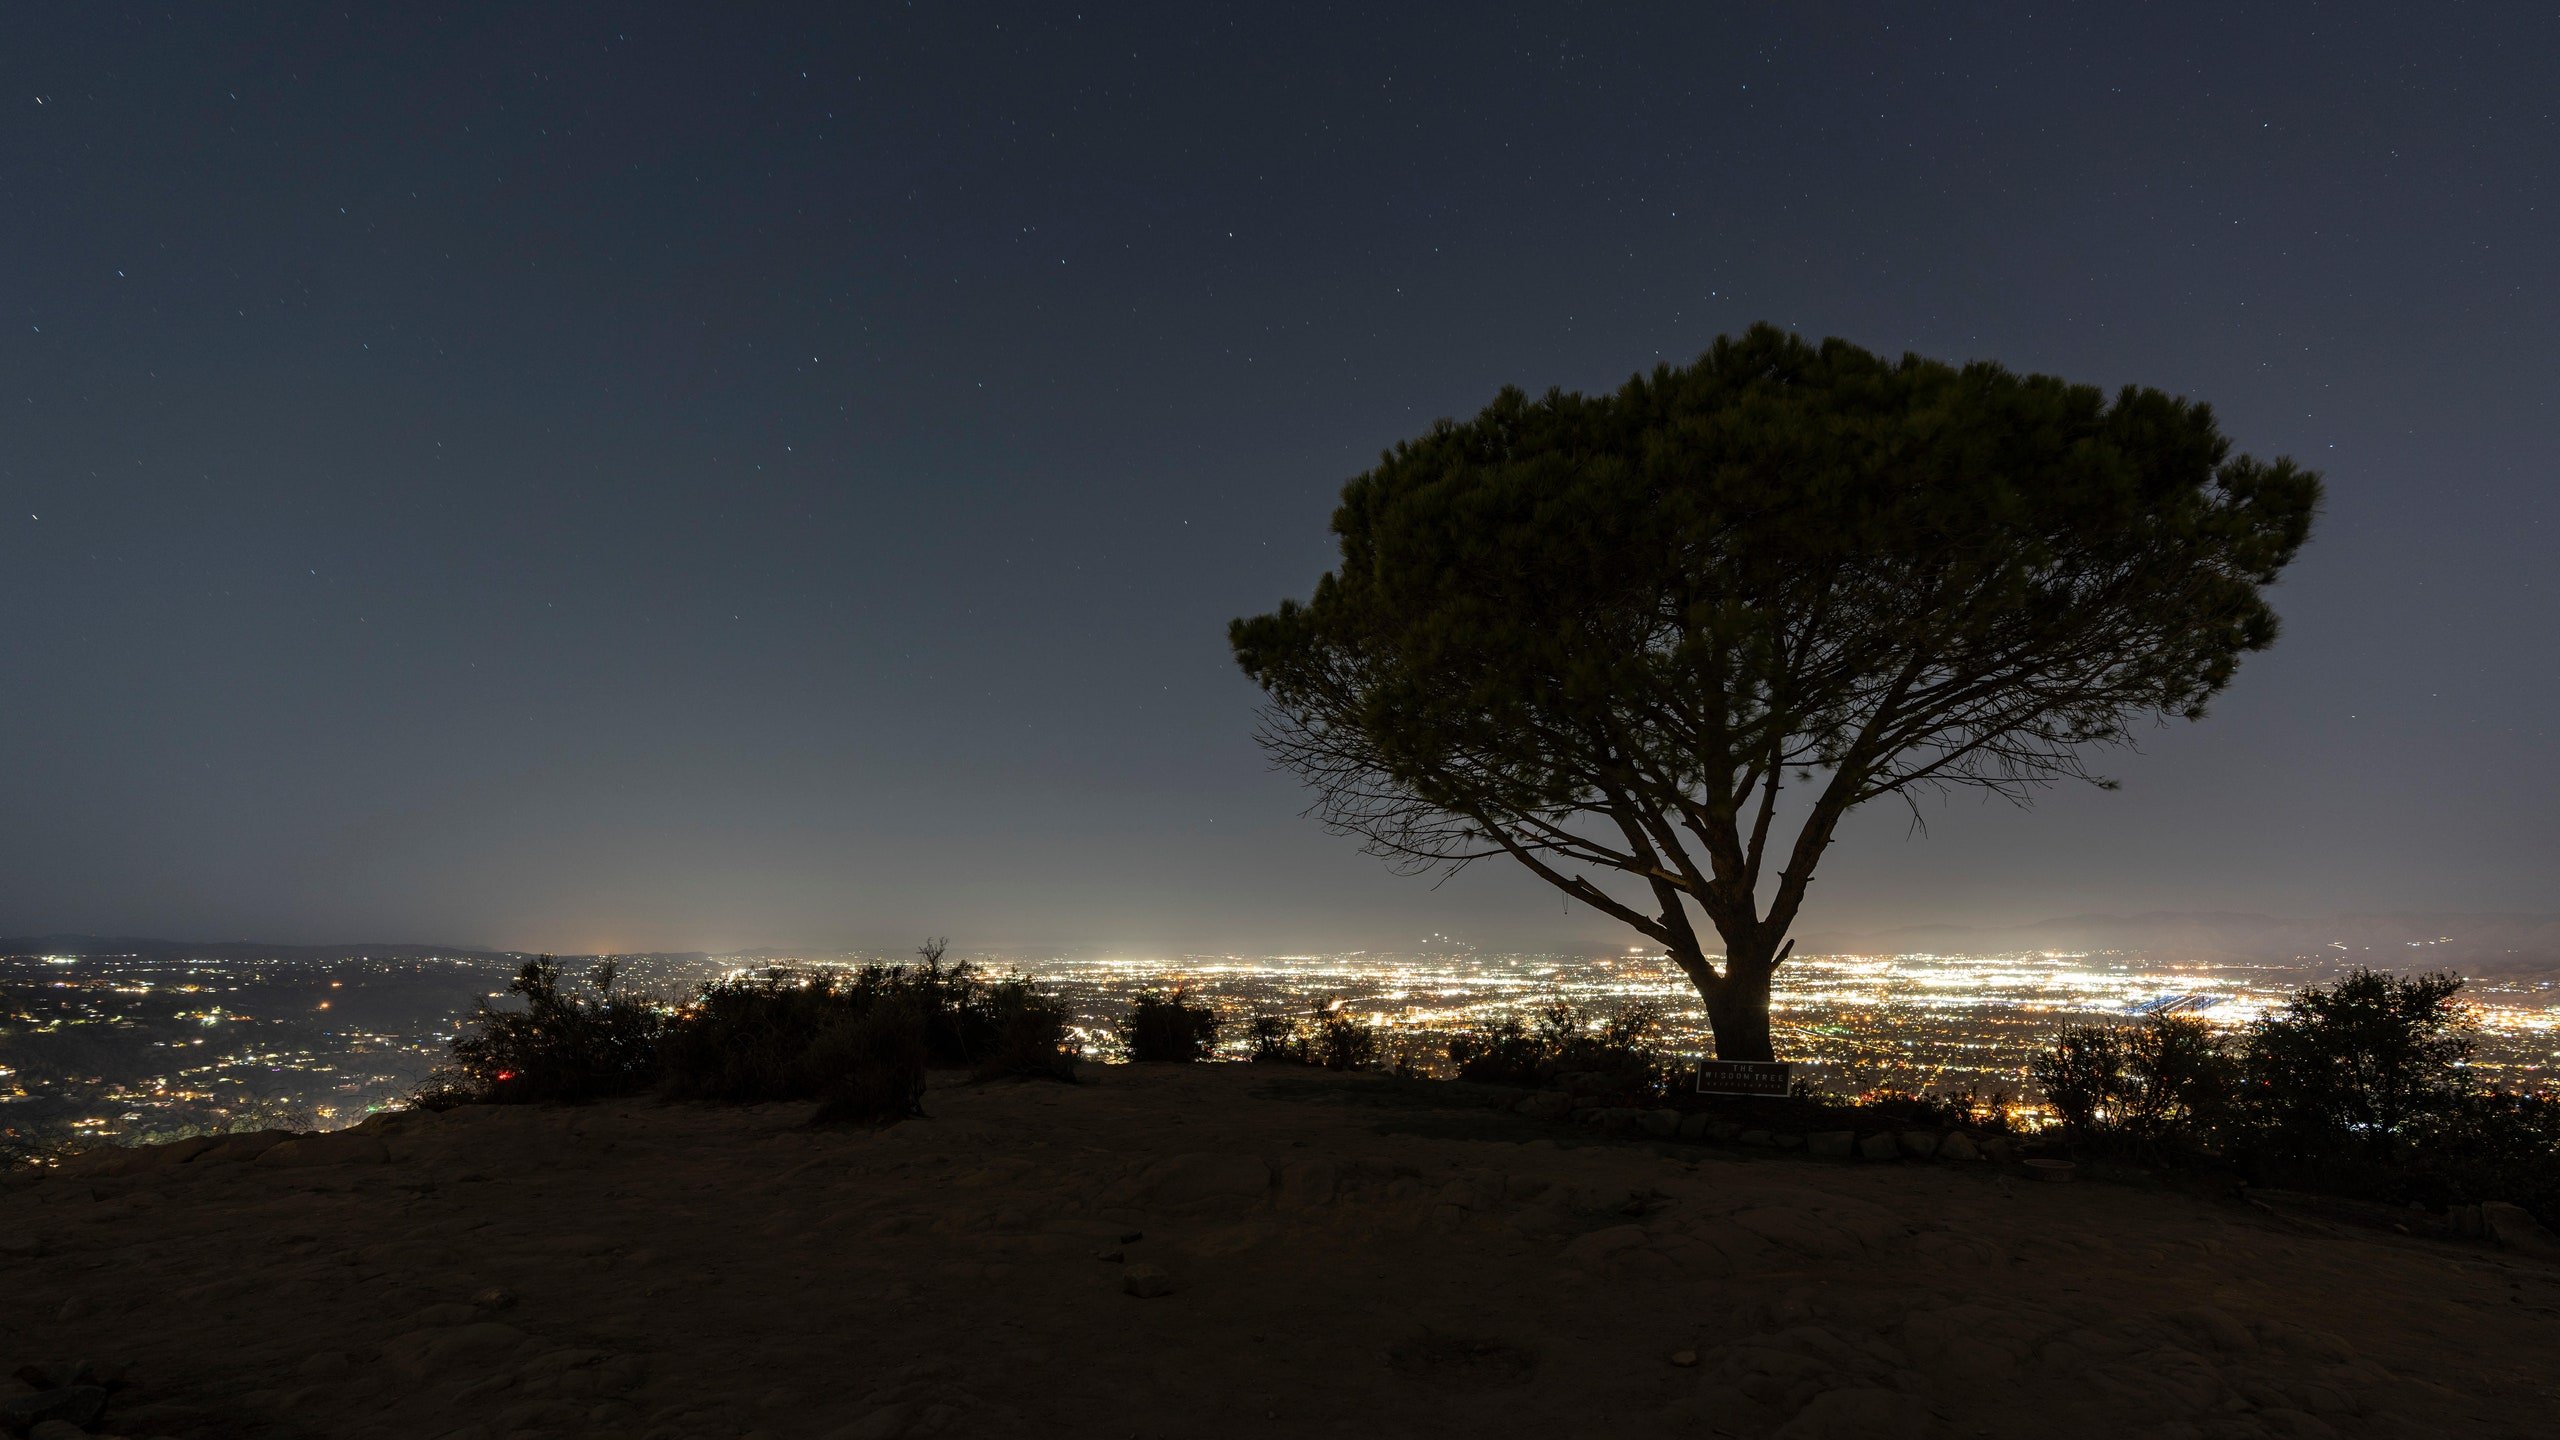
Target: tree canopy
1604	633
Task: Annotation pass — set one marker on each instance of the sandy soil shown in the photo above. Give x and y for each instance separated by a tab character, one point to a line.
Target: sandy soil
1345	1255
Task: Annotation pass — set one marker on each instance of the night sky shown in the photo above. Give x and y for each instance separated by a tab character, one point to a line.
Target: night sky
678	477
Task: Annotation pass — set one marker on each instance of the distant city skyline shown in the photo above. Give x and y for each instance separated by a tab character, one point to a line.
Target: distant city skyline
715	481
140	1047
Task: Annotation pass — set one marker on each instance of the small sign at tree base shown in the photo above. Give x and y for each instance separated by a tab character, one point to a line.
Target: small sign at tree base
1743	1077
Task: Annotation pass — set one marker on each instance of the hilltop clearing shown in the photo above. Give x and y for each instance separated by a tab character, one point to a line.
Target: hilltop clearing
1239	1250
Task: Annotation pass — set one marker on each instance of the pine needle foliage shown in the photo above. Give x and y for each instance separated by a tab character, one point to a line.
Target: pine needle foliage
1601	635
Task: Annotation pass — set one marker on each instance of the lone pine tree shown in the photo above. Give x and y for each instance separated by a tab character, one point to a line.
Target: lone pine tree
1605	635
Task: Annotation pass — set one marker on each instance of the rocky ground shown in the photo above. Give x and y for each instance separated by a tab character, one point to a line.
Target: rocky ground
1226	1250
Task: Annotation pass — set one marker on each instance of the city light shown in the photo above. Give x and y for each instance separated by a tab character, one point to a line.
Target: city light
311	1044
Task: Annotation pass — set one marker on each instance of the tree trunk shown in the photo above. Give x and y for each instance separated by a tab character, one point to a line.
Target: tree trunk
1738	1010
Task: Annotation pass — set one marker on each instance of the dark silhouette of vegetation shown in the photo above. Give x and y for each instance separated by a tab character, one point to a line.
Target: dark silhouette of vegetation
753	1038
562	1045
1600	634
2367	1063
1334	1038
1281	1040
1343	1040
869	1068
1169	1025
2154	1084
858	1041
1559	1040
2360	1087
1030	1040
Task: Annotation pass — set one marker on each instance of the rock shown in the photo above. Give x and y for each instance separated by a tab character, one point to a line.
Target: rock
1724	1132
1834	1144
1468	1192
1879	1147
1146	1282
2217	1330
1761	1138
1307	1183
562	1361
496	1297
2514	1228
1113	1256
1684	1358
241	1146
96	1164
1997	1150
1920	1144
55	1374
1787	1140
163	1419
1660	1124
1132	1237
622	1374
76	1405
1601	1244
1860	1414
1201	1178
57	1430
180	1152
325	1365
421	1353
1958	1146
885	1423
1694	1127
1545	1105
339	1149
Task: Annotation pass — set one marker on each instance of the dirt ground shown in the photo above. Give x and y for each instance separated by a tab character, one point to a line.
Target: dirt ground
1344	1255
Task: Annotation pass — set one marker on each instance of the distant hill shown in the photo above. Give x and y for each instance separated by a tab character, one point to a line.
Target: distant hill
228	949
2473	944
87	945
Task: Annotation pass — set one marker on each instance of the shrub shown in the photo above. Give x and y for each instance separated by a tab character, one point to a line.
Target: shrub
1623	1048
2492	1145
2364	1063
1890	1109
2082	1076
1281	1040
1342	1040
2180	1080
869	1067
560	1046
753	1038
2358	1088
1029	1039
2164	1083
836	1036
1506	1052
1169	1026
